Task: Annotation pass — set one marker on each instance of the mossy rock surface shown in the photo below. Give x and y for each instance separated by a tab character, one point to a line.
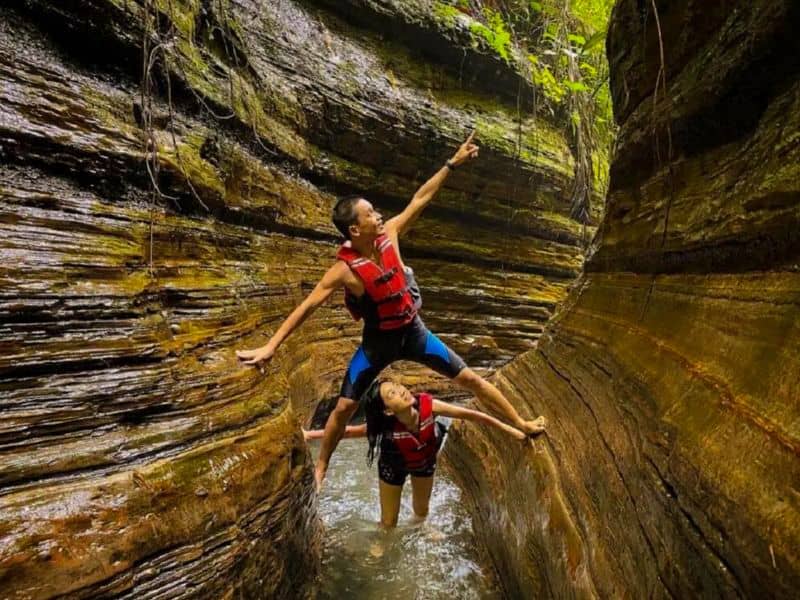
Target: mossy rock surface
147	236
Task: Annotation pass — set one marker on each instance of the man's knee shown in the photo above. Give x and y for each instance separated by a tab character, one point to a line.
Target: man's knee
469	379
345	408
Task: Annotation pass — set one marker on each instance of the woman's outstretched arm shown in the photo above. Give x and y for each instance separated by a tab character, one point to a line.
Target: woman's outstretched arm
351	431
458	412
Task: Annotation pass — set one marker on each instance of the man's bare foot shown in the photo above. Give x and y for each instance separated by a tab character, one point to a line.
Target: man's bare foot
535	427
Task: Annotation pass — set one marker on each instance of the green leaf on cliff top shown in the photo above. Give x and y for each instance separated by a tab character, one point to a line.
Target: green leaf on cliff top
576	86
594	41
576	39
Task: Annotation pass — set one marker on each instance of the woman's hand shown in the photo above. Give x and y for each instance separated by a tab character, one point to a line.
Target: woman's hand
257	356
519	435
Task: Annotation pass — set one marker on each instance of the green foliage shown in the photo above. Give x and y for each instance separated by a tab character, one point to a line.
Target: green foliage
599	37
564	42
593	13
544	79
576	39
576	86
494	33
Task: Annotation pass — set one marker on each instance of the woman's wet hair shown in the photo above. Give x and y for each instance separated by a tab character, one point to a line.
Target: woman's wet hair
374	411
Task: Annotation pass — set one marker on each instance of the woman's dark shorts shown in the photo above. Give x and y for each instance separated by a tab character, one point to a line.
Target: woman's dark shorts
379	349
392	471
391	468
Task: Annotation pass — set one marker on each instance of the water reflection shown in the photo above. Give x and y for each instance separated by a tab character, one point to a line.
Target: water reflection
434	560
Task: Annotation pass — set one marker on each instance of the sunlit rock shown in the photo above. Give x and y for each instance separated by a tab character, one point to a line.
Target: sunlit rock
671	374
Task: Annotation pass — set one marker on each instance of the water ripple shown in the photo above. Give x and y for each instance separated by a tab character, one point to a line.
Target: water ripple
434	560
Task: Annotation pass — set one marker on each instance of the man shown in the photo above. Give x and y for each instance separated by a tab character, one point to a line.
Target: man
377	289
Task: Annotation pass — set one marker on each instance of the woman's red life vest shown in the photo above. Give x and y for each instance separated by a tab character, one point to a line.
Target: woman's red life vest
418	451
386	287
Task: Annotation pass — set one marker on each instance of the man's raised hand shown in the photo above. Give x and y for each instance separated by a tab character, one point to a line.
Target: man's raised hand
254	357
465	151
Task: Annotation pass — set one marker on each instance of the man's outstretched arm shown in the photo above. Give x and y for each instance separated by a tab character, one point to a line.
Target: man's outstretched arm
402	222
332	280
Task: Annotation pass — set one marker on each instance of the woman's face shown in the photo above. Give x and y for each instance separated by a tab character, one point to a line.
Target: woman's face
396	397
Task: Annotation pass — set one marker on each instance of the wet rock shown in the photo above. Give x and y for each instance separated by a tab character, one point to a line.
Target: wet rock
670	375
145	237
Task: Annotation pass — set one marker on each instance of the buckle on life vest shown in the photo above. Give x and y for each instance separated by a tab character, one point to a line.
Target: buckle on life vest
399	317
393	297
386	276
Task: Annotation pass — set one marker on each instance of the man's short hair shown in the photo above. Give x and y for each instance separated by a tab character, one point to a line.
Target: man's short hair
344	214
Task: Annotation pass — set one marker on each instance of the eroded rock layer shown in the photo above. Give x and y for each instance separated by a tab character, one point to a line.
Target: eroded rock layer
168	171
672	464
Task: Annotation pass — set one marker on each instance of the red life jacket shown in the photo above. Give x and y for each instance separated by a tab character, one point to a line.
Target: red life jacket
418	451
386	287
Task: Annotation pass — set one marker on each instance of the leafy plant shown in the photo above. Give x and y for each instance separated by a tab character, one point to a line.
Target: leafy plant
494	33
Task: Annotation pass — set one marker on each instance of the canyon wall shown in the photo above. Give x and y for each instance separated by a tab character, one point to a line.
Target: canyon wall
670	376
168	171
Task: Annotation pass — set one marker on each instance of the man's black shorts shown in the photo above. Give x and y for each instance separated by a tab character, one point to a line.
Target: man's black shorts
379	349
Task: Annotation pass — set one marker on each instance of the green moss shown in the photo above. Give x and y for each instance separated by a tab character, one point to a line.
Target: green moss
600	168
446	14
186	160
533	141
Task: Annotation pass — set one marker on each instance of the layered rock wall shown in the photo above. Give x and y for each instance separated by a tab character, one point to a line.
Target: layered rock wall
670	377
168	170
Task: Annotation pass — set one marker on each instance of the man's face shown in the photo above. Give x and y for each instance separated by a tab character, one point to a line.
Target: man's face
369	223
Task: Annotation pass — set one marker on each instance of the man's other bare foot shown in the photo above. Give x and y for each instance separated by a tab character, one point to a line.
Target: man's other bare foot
535	427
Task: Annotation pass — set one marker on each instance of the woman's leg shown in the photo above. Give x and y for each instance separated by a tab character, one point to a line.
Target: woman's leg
421	488
390	503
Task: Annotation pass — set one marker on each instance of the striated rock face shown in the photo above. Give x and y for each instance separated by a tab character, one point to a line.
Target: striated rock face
168	170
671	467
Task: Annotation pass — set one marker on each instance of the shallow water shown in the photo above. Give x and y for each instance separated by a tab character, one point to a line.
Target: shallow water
433	560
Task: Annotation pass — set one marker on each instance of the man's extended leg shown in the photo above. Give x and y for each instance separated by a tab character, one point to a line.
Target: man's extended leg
334	430
360	373
494	399
424	347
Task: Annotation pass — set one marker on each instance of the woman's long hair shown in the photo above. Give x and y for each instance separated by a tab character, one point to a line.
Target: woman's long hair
374	413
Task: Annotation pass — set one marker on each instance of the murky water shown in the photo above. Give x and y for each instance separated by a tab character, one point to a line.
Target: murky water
434	560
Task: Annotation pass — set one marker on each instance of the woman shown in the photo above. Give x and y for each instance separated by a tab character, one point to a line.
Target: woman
403	429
